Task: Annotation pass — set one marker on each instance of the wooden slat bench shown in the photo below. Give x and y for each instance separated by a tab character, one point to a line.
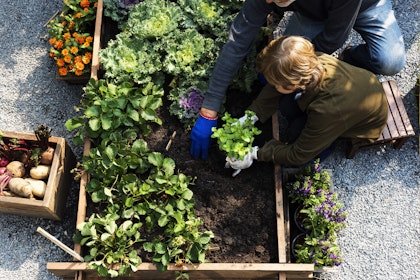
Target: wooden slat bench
398	127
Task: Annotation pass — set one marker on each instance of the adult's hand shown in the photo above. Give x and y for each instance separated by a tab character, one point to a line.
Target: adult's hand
200	136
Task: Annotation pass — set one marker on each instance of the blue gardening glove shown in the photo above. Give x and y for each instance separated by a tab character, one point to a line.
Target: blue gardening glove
238	164
200	136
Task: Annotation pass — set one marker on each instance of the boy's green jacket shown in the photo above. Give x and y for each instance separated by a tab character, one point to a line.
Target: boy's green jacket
349	102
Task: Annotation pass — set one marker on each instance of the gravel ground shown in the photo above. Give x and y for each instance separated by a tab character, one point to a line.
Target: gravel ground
380	186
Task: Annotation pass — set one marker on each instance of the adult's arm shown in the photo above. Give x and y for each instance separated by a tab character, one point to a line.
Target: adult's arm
243	32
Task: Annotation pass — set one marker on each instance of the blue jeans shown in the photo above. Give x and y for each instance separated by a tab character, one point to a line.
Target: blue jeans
383	51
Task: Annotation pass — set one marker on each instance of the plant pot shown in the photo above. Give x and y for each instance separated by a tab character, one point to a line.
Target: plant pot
299	239
298	219
73	79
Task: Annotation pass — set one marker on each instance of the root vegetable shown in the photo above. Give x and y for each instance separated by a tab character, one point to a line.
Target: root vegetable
40	172
21	187
38	187
46	157
17	169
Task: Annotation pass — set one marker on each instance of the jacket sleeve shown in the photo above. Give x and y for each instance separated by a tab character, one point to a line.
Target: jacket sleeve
318	134
266	103
341	16
243	31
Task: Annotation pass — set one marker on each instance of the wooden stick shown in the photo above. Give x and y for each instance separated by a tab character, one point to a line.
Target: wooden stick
51	18
170	141
60	244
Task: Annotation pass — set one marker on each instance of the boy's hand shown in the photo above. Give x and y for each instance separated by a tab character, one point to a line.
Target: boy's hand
238	164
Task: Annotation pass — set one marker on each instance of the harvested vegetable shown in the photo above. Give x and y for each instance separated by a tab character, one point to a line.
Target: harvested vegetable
38	187
43	133
40	172
16	168
4	181
21	187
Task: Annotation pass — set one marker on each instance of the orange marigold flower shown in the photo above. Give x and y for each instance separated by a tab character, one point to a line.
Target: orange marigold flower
89	39
88	55
62	71
67	36
86	44
77	59
52	41
84	3
58	44
80	40
86	10
52	54
95	5
71	25
75	35
74	50
70	67
60	62
78	72
78	15
67	58
80	66
65	52
86	59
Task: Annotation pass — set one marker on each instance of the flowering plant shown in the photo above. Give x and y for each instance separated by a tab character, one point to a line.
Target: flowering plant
70	39
324	216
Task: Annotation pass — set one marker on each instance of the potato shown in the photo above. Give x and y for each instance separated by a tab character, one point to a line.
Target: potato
17	169
47	156
38	187
21	187
40	172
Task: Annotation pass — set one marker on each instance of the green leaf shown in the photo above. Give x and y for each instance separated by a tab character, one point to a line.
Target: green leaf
163	221
94	124
187	194
156	159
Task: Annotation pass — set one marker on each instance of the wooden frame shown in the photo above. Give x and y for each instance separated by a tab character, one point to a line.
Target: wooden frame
59	181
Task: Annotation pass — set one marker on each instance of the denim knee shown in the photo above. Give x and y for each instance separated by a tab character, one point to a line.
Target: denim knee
389	64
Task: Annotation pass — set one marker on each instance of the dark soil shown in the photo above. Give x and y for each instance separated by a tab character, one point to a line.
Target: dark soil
239	211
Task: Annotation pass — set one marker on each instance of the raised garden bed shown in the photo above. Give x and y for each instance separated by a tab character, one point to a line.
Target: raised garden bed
245	213
59	181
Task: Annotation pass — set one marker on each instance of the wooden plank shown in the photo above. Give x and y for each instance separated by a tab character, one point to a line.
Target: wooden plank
200	271
97	40
403	116
392	126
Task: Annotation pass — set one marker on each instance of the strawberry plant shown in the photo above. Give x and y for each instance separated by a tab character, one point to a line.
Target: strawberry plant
108	108
149	208
236	138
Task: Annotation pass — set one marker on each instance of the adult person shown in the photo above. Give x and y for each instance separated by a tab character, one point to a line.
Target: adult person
335	98
327	23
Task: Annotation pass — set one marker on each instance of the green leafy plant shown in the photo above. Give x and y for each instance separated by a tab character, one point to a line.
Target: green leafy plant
173	41
118	10
108	108
149	209
236	138
324	216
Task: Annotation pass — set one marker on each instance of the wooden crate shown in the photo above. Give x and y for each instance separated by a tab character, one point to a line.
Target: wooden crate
58	184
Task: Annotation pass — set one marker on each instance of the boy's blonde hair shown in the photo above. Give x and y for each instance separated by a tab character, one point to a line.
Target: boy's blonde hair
290	61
